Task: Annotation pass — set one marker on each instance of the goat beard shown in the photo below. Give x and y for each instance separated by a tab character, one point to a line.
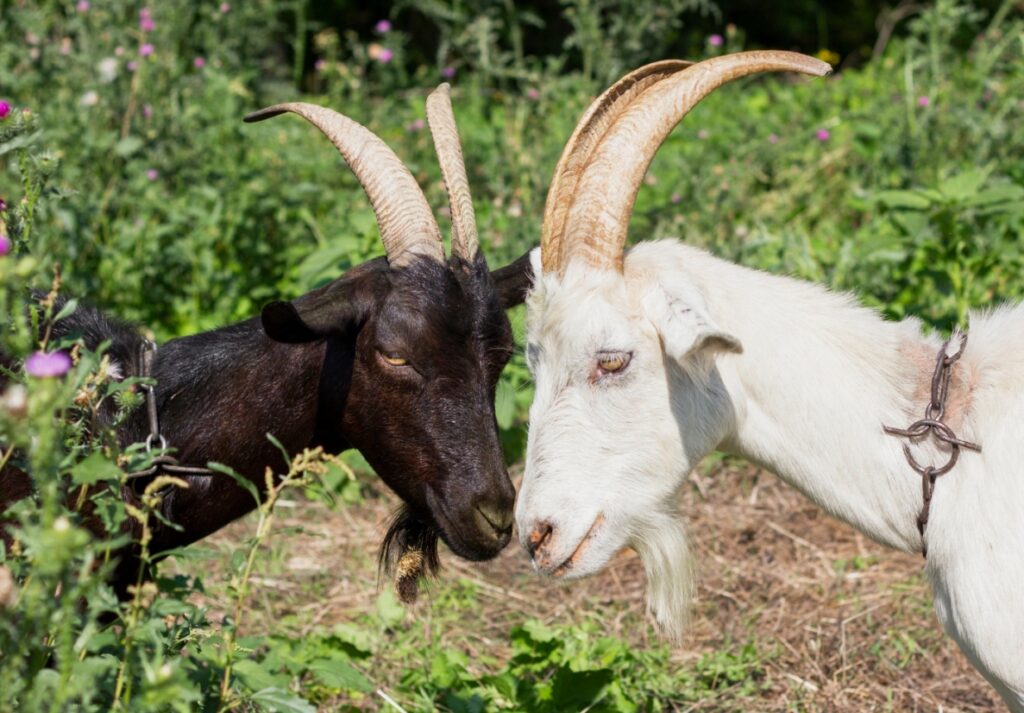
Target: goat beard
409	553
664	549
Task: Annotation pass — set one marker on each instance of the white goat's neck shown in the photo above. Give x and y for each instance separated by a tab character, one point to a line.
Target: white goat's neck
818	377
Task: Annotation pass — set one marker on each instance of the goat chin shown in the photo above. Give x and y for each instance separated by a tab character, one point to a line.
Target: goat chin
664	548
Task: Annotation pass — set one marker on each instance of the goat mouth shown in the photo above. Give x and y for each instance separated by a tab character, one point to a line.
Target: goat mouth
570	562
468	548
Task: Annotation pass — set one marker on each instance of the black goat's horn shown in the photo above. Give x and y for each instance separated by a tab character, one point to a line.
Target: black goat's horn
407	225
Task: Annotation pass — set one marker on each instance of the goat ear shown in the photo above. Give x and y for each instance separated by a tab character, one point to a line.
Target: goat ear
332	309
514	280
684	324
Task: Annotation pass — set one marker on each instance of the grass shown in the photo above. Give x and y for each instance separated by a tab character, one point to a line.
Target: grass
795	612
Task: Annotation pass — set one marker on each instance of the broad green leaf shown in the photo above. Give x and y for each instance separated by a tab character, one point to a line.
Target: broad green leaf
336	673
94	469
278	699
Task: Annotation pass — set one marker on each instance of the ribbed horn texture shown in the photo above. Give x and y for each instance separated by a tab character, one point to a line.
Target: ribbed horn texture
441	118
407	225
602	112
602	203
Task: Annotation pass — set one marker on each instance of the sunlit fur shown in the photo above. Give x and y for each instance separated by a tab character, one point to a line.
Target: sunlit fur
791	377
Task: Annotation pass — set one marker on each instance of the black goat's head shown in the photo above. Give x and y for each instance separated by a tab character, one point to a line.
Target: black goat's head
415	346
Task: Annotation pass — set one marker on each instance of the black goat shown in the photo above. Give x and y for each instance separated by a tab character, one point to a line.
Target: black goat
398	358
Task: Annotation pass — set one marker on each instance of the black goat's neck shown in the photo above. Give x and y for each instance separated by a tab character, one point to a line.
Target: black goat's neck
218	396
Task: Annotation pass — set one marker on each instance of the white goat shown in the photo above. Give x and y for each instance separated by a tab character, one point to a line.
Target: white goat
644	365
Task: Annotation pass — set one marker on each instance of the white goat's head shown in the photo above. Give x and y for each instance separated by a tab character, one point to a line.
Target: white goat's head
628	398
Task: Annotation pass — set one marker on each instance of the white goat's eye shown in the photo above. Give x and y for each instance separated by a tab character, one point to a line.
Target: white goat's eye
394	359
612	362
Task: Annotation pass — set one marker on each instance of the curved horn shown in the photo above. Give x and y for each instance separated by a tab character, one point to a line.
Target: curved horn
441	118
602	112
407	225
600	209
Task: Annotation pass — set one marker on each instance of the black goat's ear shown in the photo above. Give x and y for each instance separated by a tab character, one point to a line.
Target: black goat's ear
332	309
514	281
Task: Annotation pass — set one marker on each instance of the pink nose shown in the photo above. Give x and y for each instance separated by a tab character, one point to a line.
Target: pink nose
541	534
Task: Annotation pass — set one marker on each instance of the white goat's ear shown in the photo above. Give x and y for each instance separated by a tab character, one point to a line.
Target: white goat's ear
684	324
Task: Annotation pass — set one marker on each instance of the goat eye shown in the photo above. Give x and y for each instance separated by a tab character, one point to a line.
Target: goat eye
612	363
394	359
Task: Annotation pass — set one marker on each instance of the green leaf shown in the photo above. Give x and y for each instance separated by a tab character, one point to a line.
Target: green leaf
277	699
127	146
389	609
964	185
94	469
902	199
339	674
67	310
257	677
505	404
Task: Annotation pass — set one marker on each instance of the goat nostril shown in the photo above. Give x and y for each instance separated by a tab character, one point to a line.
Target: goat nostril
538	536
499	519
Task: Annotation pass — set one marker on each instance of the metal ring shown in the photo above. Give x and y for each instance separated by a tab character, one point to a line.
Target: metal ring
149	443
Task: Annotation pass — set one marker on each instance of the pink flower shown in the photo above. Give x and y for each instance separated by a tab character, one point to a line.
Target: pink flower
83	5
147	111
676	198
385	56
383	26
923	101
703	134
146	50
773	138
119	51
5	109
146	20
47	364
716	40
823	135
415	125
132	66
533	94
448	72
5	244
320	65
225	8
152	174
3	205
199	62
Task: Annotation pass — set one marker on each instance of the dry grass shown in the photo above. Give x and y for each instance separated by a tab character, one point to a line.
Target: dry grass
846	624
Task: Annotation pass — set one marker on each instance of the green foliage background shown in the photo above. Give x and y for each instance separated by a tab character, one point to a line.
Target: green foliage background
901	180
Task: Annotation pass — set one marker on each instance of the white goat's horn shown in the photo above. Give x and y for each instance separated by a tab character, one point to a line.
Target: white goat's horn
602	203
407	225
441	119
587	136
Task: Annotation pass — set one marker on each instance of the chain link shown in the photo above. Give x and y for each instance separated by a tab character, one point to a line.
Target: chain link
932	424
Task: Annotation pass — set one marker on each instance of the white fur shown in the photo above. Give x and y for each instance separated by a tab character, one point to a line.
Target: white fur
789	376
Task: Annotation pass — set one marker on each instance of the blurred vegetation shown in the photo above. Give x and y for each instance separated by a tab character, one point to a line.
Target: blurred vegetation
125	162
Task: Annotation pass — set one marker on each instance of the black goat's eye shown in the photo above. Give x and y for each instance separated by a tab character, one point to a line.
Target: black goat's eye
394	359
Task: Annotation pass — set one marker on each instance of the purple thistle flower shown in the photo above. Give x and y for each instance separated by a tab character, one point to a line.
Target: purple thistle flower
773	138
385	56
146	50
147	111
703	134
320	65
5	109
448	72
199	62
3	205
83	5
676	198
225	8
147	24
383	27
152	174
533	94
47	364
923	101
823	135
415	125
5	245
716	40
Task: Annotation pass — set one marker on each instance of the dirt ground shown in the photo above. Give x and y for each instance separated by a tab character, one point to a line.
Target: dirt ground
849	623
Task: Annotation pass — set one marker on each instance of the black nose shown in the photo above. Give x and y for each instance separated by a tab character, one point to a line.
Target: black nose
538	536
495	518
